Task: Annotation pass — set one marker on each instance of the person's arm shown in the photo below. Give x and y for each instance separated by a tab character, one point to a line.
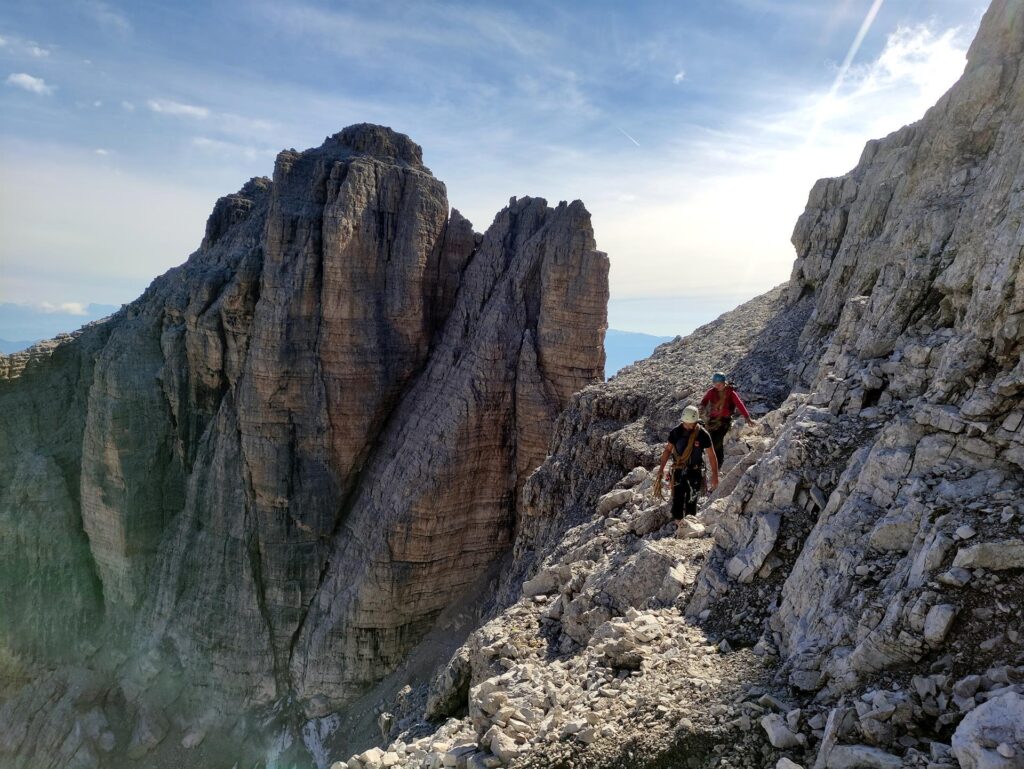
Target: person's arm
664	458
738	403
709	454
705	401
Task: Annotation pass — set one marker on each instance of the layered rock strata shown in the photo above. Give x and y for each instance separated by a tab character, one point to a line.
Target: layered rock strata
866	543
277	467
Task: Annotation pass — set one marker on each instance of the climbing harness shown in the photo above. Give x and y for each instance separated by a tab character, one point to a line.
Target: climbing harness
679	462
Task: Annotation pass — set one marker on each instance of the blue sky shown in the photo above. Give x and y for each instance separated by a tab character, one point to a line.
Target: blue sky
692	130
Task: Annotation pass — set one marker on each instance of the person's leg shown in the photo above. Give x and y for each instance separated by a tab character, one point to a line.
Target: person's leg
694	479
678	494
717	439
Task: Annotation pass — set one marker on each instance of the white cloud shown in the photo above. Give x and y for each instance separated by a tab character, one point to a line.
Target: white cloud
29	83
101	151
168	107
97	103
757	175
127	106
916	57
37	52
67	308
107	17
679	77
228	149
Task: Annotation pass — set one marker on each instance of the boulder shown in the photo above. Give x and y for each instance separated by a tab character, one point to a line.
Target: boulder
613	500
997	723
862	757
994	556
779	733
938	622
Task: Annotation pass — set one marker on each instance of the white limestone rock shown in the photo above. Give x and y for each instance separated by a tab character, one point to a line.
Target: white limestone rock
992	724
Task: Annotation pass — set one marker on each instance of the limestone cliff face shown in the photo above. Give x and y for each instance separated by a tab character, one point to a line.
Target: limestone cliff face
284	460
853	594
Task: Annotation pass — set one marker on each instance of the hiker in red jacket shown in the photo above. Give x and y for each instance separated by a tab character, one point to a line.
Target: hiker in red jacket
718	405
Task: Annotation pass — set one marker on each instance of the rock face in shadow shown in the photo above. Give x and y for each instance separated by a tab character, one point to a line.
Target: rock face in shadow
281	463
855	589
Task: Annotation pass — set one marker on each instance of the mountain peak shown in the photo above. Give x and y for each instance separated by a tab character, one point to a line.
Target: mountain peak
380	142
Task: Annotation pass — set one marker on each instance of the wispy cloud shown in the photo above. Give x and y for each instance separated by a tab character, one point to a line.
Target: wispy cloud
127	106
108	17
679	77
3	42
851	53
29	83
37	51
67	308
445	50
229	149
628	136
169	107
102	152
916	66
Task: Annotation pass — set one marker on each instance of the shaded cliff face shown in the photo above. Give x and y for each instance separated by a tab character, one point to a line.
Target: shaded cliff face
292	452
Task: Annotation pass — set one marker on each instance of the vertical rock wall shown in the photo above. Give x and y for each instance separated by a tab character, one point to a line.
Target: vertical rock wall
281	463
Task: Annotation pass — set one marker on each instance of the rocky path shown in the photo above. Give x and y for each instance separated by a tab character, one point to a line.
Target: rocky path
596	664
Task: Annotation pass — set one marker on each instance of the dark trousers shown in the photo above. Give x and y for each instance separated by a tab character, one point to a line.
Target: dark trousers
686	487
718	429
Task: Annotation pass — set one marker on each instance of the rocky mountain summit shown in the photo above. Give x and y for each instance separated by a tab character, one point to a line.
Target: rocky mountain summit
342	489
243	499
853	594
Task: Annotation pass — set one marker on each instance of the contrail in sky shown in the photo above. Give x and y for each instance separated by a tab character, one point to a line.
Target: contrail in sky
628	137
865	26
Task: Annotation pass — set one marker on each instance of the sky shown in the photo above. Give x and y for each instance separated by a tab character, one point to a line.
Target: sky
692	131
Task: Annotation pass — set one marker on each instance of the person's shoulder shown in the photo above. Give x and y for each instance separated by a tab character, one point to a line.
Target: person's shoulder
710	393
704	434
674	433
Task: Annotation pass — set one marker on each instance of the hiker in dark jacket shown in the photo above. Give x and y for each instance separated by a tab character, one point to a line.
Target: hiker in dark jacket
718	405
688	444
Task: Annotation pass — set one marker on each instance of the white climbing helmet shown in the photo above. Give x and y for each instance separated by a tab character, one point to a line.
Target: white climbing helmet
691	414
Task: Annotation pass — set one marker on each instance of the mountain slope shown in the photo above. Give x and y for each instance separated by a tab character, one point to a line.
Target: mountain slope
854	591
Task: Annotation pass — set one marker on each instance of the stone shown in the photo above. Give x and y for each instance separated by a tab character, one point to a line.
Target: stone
503	746
635	477
955	577
862	757
744	565
688	529
785	763
938	622
896	531
449	688
999	721
964	532
373	758
151	726
779	734
613	500
994	556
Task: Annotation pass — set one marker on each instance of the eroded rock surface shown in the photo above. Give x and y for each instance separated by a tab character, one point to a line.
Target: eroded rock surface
858	597
269	475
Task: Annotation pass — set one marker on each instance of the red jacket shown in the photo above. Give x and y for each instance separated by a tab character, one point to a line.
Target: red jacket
732	403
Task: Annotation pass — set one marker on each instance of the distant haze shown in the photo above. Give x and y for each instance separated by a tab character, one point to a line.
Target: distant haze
624	347
22	324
